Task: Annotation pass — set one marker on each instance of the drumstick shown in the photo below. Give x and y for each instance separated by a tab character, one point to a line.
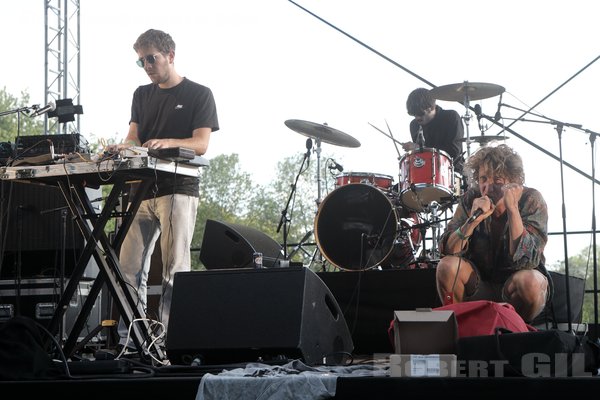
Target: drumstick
391	137
395	145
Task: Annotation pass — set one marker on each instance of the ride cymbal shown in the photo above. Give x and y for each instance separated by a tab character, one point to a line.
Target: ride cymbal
466	90
325	133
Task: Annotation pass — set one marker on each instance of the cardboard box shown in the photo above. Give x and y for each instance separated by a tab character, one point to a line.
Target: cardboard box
425	342
425	331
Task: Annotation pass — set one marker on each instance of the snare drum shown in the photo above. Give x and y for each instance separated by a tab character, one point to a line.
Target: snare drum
427	176
378	180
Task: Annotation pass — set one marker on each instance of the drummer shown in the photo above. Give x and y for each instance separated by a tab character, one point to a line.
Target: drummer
442	129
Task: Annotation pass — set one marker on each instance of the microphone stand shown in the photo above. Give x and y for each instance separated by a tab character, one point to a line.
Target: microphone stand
18	111
284	220
595	265
559	129
559	126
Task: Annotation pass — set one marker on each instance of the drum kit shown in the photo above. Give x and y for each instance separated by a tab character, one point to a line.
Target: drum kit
368	222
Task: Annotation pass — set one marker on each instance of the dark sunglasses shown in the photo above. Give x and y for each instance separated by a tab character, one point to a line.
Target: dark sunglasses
151	59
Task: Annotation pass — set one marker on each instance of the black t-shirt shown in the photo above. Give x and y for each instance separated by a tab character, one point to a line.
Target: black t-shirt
173	113
444	132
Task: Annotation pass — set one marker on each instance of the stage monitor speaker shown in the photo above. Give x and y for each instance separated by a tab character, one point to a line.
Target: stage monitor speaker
369	299
556	310
228	245
248	315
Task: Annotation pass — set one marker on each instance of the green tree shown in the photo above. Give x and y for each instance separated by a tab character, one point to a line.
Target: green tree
228	194
16	121
224	190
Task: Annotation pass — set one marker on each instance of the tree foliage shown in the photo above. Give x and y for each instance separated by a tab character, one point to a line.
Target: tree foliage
16	121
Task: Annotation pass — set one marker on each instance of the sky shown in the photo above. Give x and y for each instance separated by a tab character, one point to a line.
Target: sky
349	64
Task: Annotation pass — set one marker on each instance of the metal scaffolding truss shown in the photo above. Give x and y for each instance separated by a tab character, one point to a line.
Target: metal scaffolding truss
62	59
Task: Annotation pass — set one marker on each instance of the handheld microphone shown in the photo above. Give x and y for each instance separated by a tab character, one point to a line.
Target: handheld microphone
475	215
47	108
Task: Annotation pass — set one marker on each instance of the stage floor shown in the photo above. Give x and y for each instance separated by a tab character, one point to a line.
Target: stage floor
168	383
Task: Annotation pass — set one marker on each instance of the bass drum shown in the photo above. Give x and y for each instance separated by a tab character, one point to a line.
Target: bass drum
357	227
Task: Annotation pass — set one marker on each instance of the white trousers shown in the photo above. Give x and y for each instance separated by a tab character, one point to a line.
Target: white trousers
172	218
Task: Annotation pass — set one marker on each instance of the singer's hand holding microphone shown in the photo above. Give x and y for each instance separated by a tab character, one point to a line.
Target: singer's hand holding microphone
481	206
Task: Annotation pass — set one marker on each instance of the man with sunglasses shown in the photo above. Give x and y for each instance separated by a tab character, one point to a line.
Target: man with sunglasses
442	129
171	111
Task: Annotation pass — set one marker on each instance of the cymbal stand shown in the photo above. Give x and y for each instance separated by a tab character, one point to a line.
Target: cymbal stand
284	220
317	256
467	118
319	182
433	208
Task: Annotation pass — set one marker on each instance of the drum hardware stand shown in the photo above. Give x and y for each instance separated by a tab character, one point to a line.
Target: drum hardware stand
433	222
433	208
284	220
423	257
300	245
467	119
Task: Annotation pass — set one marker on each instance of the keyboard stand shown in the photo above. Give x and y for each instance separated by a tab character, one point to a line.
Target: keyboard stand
106	256
72	179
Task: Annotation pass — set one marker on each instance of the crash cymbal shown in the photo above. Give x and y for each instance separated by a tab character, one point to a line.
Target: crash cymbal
318	131
484	139
474	91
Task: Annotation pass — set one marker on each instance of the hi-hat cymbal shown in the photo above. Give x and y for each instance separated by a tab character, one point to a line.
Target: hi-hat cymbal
326	133
466	90
484	139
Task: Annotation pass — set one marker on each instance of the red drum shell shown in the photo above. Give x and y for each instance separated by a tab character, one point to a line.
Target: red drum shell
379	180
426	176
